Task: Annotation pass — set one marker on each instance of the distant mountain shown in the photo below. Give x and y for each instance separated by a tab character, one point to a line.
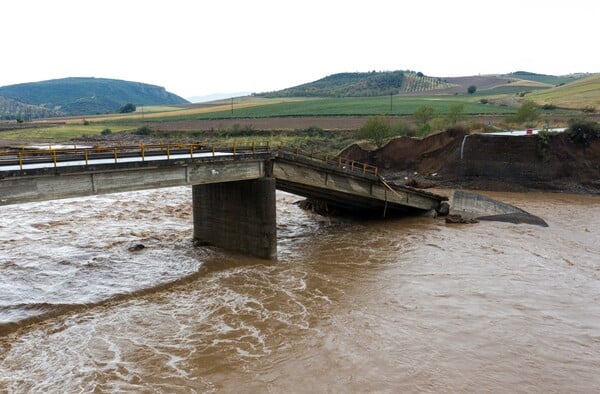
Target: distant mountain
85	96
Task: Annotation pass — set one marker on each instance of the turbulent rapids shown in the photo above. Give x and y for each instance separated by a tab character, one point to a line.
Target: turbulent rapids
408	304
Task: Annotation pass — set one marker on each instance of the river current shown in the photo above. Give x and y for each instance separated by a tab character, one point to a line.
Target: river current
401	305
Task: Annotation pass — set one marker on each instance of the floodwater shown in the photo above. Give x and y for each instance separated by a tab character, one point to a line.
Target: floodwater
402	305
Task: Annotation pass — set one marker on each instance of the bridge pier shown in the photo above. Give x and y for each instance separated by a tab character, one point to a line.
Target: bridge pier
238	216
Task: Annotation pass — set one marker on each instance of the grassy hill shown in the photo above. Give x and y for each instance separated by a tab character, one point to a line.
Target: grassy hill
346	85
581	94
372	84
550	80
87	96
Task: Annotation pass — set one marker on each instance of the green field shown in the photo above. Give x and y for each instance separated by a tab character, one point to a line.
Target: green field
346	107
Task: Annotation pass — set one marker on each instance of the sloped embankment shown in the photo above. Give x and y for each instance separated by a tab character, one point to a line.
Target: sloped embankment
556	162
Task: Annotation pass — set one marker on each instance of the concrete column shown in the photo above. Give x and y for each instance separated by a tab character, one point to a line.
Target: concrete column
238	216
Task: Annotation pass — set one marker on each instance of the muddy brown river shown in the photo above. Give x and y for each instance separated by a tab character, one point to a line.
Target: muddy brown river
402	305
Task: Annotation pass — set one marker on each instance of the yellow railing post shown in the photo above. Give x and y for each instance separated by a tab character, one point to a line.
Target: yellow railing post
85	152
54	157
234	149
21	160
192	150
253	147
212	148
115	154
168	152
352	166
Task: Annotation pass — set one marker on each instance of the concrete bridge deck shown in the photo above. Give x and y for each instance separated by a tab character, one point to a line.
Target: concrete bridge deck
233	188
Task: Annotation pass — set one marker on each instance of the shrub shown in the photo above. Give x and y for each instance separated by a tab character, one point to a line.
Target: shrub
590	109
127	108
484	101
471	89
237	130
106	132
548	107
581	131
144	130
377	129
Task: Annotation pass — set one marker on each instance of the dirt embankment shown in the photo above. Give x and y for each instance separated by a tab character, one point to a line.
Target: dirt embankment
454	158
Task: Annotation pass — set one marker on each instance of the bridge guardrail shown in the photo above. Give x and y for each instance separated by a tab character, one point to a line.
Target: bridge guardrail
352	166
25	156
54	156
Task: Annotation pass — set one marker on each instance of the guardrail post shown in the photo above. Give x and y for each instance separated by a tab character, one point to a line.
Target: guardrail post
85	152
352	165
21	160
212	148
192	150
115	154
54	157
142	151
364	168
168	152
234	150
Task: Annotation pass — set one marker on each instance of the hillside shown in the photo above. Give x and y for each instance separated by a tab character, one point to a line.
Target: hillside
86	96
581	94
13	109
370	84
346	85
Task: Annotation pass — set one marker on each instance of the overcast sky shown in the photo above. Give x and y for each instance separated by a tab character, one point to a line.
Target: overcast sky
195	48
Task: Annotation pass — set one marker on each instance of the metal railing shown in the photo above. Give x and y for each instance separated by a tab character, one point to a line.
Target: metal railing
86	154
143	151
352	166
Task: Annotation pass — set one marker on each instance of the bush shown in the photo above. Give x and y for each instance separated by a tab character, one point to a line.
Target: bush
581	131
144	130
471	89
237	130
528	112
403	128
106	132
127	108
484	101
548	107
377	129
590	109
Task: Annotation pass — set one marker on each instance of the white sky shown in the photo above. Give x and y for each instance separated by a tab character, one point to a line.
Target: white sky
195	48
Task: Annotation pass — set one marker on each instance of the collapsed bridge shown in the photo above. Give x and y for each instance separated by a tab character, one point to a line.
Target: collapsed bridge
233	188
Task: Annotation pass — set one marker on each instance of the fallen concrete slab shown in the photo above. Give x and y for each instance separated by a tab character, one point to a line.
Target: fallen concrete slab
476	206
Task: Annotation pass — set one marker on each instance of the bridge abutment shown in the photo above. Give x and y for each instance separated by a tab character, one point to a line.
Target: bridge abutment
238	216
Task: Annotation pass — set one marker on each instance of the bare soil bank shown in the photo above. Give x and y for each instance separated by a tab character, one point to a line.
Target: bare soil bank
488	162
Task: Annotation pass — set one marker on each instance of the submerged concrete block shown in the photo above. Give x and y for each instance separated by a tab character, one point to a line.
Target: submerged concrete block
238	216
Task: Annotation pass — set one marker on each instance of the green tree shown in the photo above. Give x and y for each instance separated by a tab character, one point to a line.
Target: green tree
472	89
528	112
455	114
423	115
127	108
377	129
